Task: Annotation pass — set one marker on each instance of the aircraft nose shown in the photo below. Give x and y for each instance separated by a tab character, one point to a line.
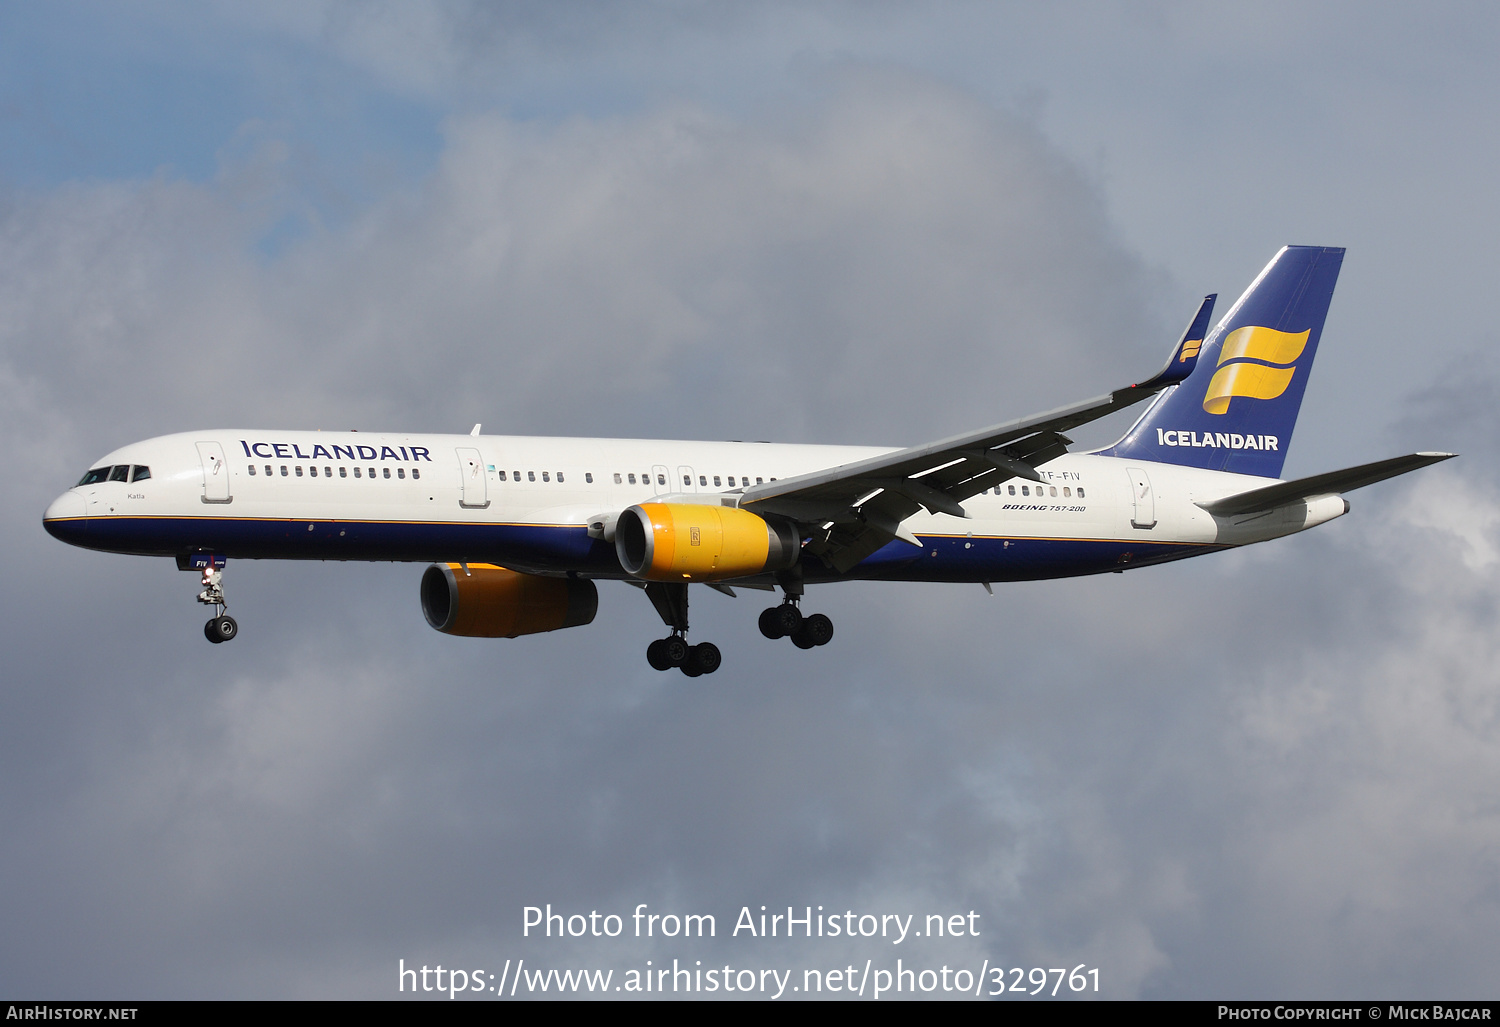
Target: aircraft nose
66	519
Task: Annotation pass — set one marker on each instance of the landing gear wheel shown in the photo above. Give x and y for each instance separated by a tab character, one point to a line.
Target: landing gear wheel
656	655
211	631
676	650
818	628
221	629
780	621
690	670
705	658
801	640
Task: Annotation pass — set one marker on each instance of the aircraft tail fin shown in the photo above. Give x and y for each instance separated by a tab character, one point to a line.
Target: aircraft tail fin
1236	410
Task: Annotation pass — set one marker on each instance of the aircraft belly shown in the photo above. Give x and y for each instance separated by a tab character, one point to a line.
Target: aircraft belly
541	547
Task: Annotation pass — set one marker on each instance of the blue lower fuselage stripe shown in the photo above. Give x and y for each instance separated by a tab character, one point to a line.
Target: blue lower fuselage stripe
563	548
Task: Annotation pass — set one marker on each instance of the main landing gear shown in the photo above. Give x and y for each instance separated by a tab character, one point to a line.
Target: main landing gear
786	620
671	602
221	627
692	660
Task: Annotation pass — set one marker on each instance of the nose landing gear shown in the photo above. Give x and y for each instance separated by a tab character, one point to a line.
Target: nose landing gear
221	627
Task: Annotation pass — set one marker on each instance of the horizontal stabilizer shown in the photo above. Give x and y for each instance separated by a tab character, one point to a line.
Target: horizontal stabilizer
1331	483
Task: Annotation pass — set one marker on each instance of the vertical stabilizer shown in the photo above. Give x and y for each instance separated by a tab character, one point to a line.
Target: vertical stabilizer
1236	411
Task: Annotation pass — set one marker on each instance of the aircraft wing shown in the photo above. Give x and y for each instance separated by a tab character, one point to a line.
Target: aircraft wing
857	508
1331	483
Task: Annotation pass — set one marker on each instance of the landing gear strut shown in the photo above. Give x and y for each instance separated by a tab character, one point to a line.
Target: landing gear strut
220	627
671	602
786	620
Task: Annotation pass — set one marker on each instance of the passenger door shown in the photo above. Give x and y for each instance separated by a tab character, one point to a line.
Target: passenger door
473	484
215	473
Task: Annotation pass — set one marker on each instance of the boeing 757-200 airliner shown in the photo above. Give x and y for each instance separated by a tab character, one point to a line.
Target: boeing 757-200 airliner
518	529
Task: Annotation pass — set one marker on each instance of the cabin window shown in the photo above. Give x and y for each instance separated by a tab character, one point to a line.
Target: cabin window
415	474
313	471
1067	492
758	481
588	476
546	476
372	472
702	479
401	472
283	470
387	471
328	472
343	472
632	478
1052	491
502	475
268	470
559	477
1080	492
1012	490
617	477
731	481
661	479
299	470
687	479
140	473
356	472
252	470
716	482
531	476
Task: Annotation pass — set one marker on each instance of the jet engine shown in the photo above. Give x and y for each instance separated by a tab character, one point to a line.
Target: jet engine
491	602
692	542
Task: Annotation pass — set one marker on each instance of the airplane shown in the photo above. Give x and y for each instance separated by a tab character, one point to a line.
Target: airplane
518	529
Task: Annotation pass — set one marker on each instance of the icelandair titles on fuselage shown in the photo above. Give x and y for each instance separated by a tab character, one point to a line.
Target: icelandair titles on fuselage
1217	440
291	451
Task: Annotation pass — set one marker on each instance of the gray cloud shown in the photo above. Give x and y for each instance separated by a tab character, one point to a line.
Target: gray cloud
1259	773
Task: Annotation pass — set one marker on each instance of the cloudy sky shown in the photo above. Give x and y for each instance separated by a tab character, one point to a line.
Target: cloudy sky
1268	773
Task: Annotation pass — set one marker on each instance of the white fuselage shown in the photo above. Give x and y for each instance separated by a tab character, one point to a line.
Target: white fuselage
526	503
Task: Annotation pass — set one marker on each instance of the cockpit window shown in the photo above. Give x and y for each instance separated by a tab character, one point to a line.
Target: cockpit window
140	473
119	472
95	476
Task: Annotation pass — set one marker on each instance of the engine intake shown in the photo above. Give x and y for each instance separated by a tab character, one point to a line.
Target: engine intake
692	542
493	602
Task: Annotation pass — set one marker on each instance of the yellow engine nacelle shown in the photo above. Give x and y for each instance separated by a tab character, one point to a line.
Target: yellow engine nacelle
492	602
692	542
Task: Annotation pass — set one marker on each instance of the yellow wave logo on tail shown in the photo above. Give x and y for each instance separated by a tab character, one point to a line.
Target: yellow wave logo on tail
1246	366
